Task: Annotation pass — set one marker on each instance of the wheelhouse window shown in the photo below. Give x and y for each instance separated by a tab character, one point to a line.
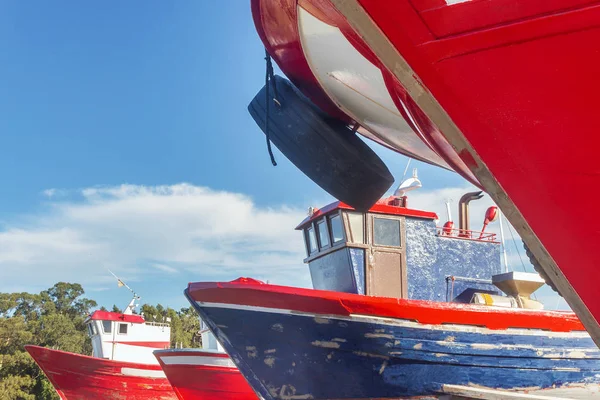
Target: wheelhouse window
92	328
107	326
323	234
386	232
122	329
337	229
311	240
357	230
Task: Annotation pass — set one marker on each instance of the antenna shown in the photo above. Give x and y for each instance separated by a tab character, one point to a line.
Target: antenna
504	256
406	169
448	212
131	307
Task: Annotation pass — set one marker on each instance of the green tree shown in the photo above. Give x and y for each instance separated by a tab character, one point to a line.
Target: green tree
53	318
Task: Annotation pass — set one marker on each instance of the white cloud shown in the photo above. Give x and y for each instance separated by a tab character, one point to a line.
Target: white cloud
165	268
131	228
164	230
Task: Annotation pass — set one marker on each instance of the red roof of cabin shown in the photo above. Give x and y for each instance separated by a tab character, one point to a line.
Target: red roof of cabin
381	207
114	316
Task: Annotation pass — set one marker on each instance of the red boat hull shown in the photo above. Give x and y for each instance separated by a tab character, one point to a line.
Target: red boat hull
201	375
513	86
78	377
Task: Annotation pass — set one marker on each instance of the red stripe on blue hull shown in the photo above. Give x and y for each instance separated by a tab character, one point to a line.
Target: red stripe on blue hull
78	377
192	381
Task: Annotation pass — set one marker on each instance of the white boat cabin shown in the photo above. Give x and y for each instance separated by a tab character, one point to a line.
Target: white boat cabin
126	337
209	341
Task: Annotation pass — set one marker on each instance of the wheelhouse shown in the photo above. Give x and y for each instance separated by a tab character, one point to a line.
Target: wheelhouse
395	251
126	337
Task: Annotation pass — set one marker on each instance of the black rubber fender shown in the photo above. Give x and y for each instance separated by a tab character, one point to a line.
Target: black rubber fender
538	268
323	148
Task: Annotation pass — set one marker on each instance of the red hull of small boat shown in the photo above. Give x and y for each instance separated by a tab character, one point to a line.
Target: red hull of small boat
78	377
202	375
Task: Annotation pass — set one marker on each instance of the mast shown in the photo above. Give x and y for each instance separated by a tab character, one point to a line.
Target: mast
131	306
505	258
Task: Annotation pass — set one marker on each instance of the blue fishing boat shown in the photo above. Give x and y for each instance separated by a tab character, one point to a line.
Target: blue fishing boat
400	308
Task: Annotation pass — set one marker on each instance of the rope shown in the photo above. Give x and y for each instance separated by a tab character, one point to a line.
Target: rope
519	253
516	247
269	77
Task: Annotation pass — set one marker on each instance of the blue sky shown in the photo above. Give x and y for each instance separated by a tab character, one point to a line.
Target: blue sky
126	144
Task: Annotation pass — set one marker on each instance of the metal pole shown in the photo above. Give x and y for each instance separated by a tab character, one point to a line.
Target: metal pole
502	241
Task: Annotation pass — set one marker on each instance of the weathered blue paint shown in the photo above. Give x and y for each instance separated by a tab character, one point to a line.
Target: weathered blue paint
339	271
284	355
431	258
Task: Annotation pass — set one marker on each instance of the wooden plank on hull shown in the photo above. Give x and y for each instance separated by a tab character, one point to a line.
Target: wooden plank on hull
467	392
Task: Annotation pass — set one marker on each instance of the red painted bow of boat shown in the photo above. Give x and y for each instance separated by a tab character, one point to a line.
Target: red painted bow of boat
249	292
79	377
195	375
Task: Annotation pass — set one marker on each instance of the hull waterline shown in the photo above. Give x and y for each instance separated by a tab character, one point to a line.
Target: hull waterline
78	377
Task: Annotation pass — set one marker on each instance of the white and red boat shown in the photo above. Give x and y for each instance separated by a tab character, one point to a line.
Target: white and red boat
206	373
122	365
501	91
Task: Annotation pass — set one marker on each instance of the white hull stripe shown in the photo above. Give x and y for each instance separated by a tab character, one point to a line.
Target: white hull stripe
198	360
399	322
144	373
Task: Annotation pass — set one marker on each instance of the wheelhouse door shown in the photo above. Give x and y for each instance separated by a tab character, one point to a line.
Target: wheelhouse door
386	265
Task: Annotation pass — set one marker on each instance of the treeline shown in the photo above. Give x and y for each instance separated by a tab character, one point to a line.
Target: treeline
55	318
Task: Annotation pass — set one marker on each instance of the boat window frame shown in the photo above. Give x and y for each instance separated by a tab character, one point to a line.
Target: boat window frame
318	223
331	216
307	242
372	229
110	323
92	331
121	324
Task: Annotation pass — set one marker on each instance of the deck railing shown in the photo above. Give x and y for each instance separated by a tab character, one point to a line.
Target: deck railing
465	234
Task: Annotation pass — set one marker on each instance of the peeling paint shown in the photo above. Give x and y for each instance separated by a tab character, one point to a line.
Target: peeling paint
330	345
383	365
338	340
378	335
323	321
418	346
270	351
252	352
577	354
484	346
277	327
288	392
371	355
270	361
